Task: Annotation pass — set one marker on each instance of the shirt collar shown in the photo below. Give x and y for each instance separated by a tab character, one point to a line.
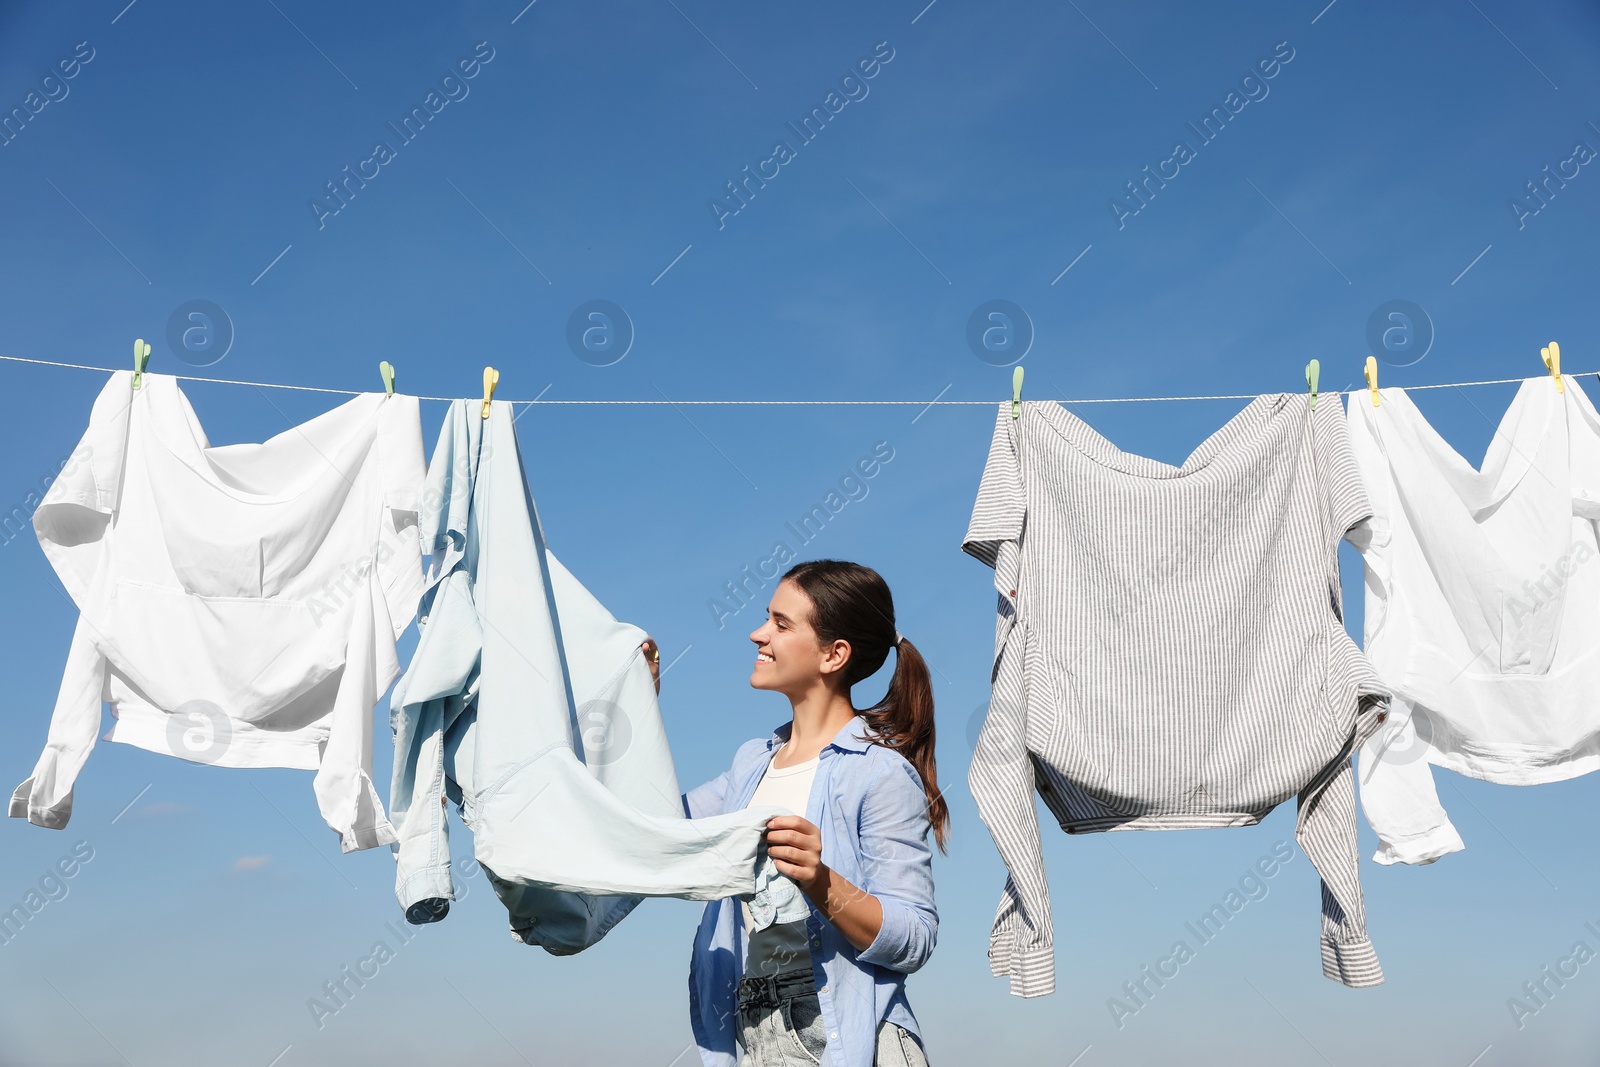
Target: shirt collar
851	738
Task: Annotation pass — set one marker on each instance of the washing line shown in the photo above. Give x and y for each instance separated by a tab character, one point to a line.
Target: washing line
791	403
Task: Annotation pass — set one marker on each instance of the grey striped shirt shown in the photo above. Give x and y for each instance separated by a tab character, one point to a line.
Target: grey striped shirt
1170	652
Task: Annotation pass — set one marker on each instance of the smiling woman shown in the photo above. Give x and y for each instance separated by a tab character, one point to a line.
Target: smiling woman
864	788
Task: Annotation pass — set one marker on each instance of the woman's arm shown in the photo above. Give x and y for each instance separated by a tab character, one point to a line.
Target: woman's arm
897	926
795	846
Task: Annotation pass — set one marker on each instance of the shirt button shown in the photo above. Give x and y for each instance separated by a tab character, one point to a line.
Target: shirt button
824	989
833	1036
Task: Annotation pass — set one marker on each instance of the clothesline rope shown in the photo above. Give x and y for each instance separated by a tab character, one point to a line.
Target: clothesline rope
793	403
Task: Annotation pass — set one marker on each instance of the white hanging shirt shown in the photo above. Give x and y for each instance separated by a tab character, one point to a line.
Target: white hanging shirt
238	605
1483	605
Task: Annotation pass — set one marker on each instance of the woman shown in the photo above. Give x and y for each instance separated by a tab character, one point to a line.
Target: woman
830	987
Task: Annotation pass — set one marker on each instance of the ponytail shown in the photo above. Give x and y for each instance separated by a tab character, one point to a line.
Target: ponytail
852	603
904	721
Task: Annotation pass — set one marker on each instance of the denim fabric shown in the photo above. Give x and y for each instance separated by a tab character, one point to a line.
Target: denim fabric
780	1025
533	708
777	898
780	1021
870	806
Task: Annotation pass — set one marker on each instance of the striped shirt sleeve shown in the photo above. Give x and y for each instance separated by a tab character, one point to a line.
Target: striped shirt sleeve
1348	504
1021	944
1001	778
998	517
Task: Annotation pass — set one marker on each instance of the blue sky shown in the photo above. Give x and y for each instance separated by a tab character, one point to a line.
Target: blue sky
581	162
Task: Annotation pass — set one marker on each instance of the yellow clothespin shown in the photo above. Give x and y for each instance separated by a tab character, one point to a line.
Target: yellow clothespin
1372	378
386	369
1016	393
491	378
1552	360
1313	371
141	359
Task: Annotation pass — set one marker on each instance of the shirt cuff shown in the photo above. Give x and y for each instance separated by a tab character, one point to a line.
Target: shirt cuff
1420	848
1032	969
429	883
1352	963
53	818
890	948
361	837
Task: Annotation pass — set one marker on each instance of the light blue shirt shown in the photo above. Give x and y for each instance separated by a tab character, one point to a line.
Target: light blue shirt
534	708
869	803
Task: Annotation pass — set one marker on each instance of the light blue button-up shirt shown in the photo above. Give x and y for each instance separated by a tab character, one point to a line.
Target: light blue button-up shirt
534	708
869	803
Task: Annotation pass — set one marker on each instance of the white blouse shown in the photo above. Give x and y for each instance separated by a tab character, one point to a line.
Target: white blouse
1482	607
238	605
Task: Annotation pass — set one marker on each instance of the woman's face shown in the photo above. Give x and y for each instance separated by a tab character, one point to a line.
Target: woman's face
788	658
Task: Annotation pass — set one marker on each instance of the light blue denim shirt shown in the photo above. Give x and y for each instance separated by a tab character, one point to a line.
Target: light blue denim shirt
869	803
533	708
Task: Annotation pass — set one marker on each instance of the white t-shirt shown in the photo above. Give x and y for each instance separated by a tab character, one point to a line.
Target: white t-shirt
781	947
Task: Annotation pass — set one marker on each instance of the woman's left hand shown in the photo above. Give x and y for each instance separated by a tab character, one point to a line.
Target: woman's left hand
796	850
795	846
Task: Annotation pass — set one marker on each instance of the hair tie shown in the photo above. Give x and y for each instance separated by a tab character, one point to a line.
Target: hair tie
897	638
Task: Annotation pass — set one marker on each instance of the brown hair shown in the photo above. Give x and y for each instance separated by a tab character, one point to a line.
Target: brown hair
852	603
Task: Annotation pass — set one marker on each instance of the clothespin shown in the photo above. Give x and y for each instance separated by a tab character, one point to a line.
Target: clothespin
141	359
386	369
1372	378
1016	393
1313	371
491	378
1552	360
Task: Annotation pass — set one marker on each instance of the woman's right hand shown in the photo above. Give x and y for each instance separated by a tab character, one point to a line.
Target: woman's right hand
652	656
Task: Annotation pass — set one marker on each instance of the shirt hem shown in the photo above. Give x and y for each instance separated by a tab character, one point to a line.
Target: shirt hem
1165	821
143	726
1480	767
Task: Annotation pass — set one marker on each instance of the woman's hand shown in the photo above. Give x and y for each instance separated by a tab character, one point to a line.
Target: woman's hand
796	850
795	846
652	656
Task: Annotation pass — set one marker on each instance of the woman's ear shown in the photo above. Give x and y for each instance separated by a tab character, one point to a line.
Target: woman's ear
836	656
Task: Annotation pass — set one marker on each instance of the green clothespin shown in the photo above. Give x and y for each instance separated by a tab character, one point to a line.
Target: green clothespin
1016	393
1313	370
141	359
387	370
